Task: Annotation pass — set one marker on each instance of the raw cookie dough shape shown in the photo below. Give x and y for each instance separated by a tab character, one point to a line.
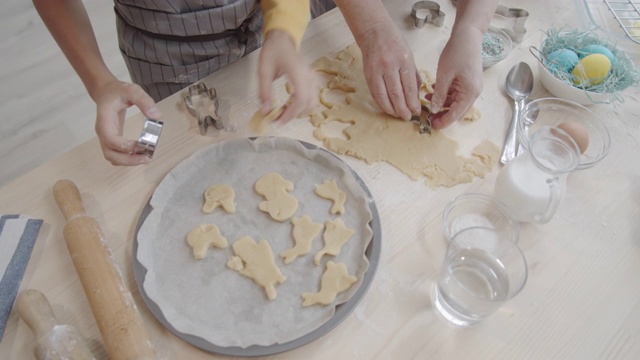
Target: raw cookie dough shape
335	280
374	136
329	190
304	231
280	205
259	122
202	237
336	234
219	196
256	262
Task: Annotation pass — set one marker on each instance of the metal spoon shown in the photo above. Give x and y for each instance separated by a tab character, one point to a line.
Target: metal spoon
519	84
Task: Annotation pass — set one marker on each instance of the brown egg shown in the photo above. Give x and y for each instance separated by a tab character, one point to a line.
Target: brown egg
578	133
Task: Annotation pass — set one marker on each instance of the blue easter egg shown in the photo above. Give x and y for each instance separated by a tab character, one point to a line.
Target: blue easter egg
597	49
562	59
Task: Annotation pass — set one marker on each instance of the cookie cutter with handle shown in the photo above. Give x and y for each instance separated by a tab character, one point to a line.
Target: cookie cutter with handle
424	12
194	105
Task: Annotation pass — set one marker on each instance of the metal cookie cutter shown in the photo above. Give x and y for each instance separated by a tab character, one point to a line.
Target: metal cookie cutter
423	120
427	12
149	137
517	31
202	103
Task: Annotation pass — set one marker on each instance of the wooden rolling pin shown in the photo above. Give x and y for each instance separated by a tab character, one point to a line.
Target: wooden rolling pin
112	305
54	341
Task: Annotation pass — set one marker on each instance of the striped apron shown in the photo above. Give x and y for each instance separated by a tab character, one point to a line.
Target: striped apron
170	44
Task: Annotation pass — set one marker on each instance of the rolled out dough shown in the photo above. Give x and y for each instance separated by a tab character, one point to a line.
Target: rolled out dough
374	136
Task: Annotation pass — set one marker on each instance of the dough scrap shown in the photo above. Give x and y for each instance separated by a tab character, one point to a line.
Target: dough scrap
259	122
255	261
219	196
329	190
336	234
335	280
280	205
304	232
235	263
374	136
202	237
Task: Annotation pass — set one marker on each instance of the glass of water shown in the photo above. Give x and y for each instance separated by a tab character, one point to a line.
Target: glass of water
478	210
482	270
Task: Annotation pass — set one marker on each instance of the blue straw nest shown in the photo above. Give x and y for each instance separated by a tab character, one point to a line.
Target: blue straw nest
623	72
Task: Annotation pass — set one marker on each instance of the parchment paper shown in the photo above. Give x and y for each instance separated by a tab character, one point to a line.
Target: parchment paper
205	298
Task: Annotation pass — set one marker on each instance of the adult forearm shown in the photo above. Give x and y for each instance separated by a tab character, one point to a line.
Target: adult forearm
474	14
364	17
388	62
69	24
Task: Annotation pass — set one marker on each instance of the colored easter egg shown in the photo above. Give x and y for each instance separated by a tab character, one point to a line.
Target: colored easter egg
598	49
591	70
562	59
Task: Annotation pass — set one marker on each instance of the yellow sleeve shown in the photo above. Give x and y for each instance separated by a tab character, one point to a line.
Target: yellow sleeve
291	16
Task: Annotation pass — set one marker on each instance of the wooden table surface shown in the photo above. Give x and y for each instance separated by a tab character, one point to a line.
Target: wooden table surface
582	298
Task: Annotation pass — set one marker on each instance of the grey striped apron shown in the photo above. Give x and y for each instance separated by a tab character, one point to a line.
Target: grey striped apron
170	44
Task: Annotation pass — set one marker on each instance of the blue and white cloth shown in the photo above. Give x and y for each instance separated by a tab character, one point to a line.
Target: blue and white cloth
18	235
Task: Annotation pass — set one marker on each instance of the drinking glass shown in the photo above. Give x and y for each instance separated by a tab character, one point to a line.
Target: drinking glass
482	269
478	210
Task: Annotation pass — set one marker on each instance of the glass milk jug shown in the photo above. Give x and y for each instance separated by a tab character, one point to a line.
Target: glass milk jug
532	185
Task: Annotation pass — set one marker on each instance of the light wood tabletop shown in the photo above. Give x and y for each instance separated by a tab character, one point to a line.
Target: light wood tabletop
582	298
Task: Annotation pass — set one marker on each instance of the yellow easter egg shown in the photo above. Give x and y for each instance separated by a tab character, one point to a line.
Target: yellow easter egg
591	70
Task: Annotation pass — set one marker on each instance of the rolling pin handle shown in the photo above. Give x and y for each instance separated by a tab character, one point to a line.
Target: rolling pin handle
36	312
68	199
53	340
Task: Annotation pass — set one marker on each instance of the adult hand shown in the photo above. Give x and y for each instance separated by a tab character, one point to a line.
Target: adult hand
279	57
459	77
391	72
112	100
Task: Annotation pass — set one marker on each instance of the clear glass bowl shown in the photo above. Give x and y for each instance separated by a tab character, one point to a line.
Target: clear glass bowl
496	45
553	112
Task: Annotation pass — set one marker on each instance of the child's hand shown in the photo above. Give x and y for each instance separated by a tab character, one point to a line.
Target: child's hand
112	101
279	57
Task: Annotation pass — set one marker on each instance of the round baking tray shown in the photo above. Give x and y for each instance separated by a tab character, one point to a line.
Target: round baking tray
372	252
